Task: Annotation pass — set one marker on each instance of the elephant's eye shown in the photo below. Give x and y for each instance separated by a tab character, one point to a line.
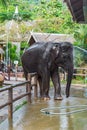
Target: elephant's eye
56	45
64	49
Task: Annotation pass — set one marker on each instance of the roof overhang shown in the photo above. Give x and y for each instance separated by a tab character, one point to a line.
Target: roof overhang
49	37
78	9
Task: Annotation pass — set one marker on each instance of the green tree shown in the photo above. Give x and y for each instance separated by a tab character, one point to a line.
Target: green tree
25	10
24	46
12	52
80	35
54	17
4	2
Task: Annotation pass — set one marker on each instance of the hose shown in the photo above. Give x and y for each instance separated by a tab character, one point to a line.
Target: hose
49	112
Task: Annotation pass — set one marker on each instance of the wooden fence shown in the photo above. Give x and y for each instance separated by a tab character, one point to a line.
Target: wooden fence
10	93
77	72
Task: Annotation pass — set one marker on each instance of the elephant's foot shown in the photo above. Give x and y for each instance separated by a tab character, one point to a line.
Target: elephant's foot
67	96
58	97
46	98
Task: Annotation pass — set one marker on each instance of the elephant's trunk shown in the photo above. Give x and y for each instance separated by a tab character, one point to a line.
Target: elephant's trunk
69	79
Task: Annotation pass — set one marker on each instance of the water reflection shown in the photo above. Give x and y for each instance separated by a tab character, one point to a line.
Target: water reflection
65	120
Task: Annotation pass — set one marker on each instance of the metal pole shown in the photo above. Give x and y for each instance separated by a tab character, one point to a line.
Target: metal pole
16	66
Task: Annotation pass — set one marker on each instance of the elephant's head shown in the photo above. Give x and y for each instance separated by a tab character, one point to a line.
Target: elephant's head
65	61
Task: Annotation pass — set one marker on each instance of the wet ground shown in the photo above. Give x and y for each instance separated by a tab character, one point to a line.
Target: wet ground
29	117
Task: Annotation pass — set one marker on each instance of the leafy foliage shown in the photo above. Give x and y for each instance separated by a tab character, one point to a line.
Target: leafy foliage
81	36
24	45
51	15
54	17
4	2
12	52
25	10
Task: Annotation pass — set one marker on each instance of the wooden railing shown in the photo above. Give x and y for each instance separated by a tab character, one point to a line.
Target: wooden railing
10	97
9	88
84	71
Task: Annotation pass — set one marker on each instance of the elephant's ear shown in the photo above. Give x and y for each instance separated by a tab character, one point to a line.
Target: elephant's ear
55	49
52	51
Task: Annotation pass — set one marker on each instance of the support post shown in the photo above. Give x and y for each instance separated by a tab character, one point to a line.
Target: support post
10	106
28	88
35	86
9	72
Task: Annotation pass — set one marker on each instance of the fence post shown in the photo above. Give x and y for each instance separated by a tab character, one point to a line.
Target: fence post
35	86
28	88
10	106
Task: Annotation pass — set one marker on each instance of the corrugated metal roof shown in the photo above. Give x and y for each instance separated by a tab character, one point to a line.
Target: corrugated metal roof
78	9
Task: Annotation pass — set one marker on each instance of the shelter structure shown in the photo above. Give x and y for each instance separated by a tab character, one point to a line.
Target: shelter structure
47	37
78	9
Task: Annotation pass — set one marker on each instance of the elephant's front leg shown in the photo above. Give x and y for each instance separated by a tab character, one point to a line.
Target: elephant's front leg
45	84
56	82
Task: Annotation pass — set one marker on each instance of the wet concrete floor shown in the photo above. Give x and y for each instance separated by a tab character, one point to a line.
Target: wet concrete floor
29	117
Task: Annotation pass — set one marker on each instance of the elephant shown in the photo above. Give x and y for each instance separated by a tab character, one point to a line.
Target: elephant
66	62
45	58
